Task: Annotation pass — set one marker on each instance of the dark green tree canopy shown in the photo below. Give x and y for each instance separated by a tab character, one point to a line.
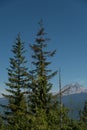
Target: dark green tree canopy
17	82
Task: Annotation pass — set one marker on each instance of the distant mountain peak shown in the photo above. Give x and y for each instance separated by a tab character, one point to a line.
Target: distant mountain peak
74	88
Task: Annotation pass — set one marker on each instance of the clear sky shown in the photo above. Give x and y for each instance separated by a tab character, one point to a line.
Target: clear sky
65	21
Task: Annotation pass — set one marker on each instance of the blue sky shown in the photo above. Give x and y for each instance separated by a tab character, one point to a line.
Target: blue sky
65	21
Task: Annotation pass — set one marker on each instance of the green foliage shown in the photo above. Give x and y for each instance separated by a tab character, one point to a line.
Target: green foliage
40	110
39	121
55	120
77	125
17	84
40	74
1	123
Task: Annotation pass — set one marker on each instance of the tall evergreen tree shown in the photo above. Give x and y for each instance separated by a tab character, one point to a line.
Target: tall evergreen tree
40	86
17	83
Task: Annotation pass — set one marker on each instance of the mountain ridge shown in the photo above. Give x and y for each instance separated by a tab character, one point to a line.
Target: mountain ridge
73	88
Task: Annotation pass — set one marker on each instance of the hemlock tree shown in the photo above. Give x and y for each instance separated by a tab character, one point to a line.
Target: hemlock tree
40	86
15	110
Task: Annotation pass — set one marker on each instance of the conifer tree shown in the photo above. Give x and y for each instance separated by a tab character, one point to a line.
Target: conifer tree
17	83
40	86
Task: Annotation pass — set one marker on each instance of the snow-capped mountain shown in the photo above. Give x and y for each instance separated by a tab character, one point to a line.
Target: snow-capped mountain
73	88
